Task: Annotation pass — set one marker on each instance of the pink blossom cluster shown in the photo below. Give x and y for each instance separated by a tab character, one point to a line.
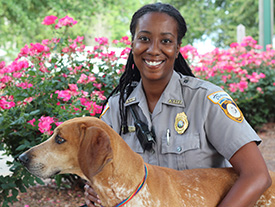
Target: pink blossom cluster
85	99
84	79
235	65
65	21
35	49
75	45
45	124
12	72
125	40
102	40
91	106
7	102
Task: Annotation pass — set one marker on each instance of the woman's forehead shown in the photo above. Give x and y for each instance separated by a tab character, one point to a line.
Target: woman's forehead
157	21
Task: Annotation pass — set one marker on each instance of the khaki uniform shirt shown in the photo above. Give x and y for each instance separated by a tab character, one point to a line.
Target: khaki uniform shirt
215	127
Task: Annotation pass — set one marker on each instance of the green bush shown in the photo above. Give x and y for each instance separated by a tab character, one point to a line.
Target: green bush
48	83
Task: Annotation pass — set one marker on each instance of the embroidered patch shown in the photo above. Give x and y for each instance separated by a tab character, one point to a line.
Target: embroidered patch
105	109
229	107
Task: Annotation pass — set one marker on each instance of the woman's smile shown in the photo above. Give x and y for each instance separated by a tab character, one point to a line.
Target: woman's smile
153	63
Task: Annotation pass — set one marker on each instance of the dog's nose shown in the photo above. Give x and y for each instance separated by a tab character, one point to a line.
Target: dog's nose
24	159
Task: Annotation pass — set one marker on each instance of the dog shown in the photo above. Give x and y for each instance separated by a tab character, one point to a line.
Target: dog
90	148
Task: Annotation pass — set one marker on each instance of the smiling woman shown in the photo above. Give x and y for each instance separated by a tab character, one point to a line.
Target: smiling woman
195	123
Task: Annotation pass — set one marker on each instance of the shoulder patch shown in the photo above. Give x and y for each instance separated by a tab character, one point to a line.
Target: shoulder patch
105	109
227	104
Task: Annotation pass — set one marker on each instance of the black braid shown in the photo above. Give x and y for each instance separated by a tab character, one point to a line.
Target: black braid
131	73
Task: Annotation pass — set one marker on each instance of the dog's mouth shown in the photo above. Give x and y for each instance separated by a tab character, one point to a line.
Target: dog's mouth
56	173
39	171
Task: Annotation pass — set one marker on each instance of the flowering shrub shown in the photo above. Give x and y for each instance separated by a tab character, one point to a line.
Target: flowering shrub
59	78
245	72
48	83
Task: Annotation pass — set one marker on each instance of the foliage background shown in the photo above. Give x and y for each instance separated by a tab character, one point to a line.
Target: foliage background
20	19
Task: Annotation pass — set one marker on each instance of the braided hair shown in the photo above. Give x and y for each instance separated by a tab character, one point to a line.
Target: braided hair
131	73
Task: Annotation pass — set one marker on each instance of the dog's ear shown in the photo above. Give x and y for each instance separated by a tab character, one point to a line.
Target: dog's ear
94	152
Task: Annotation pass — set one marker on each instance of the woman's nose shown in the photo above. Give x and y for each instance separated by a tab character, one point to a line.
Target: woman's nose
153	48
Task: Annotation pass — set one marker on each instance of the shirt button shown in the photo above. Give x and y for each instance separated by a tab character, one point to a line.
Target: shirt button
179	149
185	80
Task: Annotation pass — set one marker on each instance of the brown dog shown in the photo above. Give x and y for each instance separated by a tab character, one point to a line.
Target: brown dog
91	149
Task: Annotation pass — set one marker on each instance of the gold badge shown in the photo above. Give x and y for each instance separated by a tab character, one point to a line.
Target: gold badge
181	123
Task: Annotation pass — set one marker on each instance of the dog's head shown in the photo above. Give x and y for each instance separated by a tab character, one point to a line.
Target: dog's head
78	146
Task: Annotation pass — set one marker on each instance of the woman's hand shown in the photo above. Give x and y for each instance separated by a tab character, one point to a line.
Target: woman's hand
91	198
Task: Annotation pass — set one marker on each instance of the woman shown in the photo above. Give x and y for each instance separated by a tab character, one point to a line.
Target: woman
191	123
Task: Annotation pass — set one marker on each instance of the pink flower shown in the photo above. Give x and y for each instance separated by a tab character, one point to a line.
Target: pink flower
48	20
24	85
73	46
243	85
97	85
98	94
255	77
58	123
44	124
27	100
260	90
82	78
17	75
31	122
224	78
6	79
6	102
125	40
2	64
102	40
124	54
64	94
73	89
115	41
234	44
79	39
65	21
65	49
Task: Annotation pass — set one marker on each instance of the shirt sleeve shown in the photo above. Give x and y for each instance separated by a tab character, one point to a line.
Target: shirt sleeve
226	128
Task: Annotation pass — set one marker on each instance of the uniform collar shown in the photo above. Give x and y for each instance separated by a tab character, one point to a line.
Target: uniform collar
172	94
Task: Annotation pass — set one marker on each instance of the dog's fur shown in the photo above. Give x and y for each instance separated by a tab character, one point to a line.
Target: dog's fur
95	152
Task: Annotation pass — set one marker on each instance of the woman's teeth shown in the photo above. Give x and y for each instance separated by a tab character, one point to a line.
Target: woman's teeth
153	63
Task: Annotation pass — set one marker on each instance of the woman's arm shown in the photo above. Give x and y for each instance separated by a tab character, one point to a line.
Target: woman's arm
253	180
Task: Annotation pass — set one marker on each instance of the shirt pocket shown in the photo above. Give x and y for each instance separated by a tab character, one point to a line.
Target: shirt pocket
182	151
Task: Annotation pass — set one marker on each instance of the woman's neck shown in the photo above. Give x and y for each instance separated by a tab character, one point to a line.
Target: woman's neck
153	91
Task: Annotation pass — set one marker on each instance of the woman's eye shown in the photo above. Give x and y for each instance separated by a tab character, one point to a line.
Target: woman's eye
59	140
145	39
166	41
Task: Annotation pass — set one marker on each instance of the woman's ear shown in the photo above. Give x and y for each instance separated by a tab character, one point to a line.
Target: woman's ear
178	50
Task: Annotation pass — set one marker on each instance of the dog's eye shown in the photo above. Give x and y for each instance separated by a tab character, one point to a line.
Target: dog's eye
59	140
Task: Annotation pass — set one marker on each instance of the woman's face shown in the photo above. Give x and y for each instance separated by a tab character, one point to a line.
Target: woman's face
155	46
